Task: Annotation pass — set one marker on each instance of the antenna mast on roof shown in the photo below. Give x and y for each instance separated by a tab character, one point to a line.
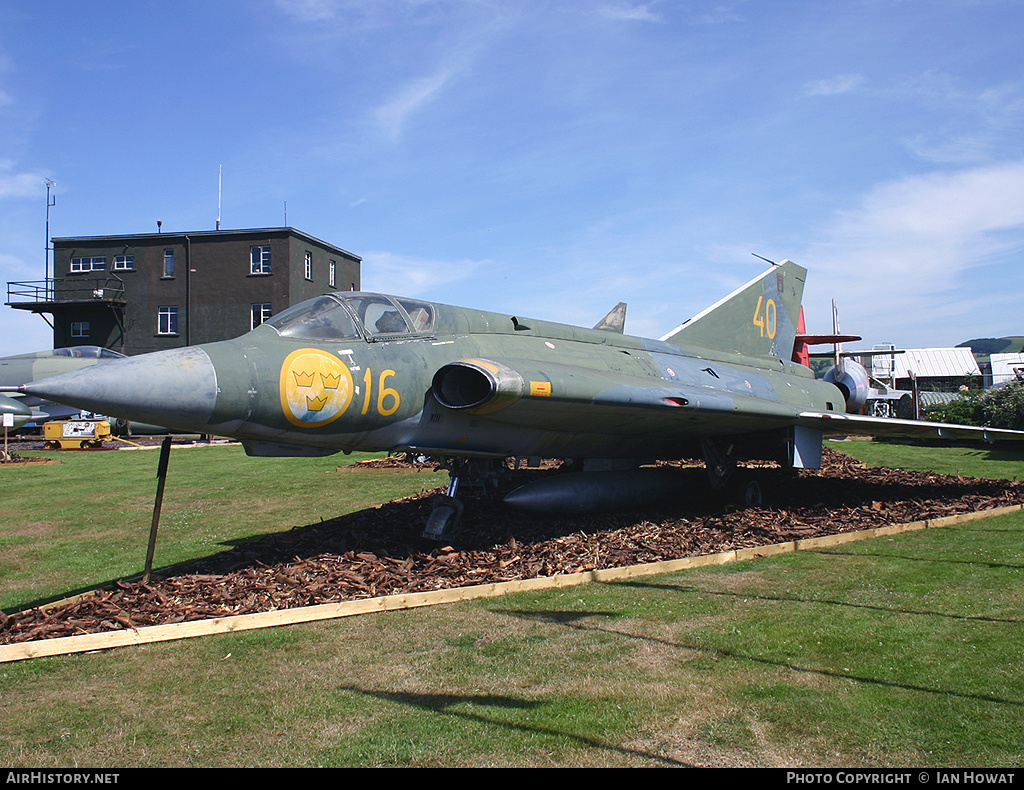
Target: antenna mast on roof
50	203
220	179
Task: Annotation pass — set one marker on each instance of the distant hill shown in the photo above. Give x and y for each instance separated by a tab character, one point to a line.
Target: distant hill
984	346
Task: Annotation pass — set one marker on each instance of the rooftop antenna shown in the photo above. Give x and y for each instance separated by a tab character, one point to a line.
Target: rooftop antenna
50	183
220	181
286	213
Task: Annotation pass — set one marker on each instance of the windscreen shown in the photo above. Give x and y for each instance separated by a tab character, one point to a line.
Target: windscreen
322	318
379	315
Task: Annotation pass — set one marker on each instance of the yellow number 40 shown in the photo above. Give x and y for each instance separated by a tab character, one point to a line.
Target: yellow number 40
767	320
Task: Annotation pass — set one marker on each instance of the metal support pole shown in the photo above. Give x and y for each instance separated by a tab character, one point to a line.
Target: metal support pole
8	421
161	478
50	183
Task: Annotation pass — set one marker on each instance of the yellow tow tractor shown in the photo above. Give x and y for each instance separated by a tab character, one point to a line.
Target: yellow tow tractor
75	434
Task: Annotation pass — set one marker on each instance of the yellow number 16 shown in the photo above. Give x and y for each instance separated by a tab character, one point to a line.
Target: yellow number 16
384	393
767	320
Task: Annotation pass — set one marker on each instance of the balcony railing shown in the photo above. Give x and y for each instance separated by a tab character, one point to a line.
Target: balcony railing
108	290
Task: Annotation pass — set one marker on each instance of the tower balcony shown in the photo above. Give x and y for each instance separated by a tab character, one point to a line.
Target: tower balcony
45	296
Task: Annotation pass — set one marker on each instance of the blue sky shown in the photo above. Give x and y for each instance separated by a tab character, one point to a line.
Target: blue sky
541	157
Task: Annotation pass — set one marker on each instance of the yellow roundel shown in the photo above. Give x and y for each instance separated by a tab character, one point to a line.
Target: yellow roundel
316	387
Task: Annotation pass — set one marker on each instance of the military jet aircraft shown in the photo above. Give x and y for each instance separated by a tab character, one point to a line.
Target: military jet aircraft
365	371
22	368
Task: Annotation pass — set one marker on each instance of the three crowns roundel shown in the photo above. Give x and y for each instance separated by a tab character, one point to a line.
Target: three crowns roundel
316	387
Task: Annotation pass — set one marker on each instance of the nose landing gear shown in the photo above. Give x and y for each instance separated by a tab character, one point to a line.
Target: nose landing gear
446	517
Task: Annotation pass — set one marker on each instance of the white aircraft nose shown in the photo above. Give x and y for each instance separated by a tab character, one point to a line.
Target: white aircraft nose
21	413
175	389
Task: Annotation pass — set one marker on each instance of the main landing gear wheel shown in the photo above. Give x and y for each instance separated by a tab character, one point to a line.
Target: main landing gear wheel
744	490
741	487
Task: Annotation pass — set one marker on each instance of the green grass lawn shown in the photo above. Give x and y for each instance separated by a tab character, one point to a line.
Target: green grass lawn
87	520
991	461
899	651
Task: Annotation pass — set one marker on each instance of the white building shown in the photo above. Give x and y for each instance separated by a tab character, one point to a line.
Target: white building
940	368
1007	367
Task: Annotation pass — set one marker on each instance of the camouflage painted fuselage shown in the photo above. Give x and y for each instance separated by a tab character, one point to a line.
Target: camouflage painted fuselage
361	371
574	392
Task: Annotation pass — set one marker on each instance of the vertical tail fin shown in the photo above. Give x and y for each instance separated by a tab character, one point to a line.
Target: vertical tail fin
759	319
615	321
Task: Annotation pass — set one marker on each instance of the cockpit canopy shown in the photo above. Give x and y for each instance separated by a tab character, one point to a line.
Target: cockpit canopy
351	315
87	352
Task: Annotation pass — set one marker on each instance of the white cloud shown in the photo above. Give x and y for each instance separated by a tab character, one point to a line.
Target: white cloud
971	124
842	83
13	265
901	260
960	149
372	13
308	10
405	275
716	14
20	331
633	13
19	185
409	100
947	208
23	332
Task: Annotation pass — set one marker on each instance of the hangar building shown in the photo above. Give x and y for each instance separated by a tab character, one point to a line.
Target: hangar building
933	369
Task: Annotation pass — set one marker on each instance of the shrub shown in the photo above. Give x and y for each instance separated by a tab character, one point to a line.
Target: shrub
1004	406
1000	407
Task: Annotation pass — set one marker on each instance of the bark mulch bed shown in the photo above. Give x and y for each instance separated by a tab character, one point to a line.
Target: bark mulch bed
379	551
10	458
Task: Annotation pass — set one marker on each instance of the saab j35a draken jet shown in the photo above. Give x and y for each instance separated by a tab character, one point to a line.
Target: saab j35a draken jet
364	371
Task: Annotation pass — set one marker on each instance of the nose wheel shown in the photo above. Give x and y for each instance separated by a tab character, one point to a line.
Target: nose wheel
444	518
447	513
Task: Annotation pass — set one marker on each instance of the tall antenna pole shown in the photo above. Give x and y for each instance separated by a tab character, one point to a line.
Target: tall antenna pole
220	181
50	183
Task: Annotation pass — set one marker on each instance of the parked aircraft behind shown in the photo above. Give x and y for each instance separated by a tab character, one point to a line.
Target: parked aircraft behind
363	371
22	368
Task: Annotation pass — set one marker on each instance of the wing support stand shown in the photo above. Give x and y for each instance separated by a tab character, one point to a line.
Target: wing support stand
161	478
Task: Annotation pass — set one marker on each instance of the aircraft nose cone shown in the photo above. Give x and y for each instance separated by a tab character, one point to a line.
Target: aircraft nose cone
175	389
21	413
